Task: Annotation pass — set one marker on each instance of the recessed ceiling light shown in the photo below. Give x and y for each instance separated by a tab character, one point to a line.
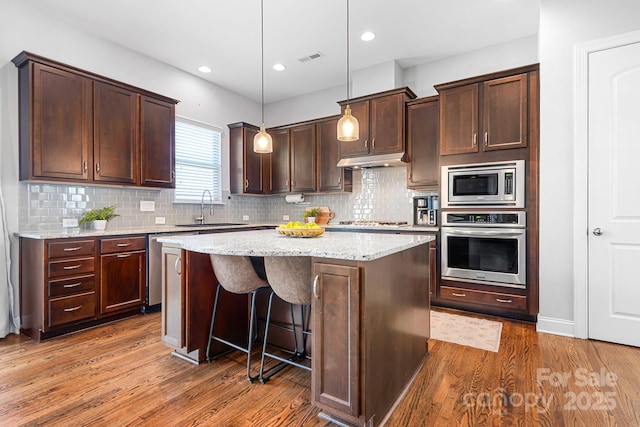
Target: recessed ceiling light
204	69
367	36
279	67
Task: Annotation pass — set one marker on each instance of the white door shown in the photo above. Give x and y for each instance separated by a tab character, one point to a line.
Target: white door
614	194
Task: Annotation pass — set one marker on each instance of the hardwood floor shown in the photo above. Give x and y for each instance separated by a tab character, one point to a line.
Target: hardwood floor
120	374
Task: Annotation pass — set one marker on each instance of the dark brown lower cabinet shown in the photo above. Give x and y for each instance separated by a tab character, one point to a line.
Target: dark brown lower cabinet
122	281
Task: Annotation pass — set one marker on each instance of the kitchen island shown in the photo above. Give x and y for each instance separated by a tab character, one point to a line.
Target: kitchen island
370	311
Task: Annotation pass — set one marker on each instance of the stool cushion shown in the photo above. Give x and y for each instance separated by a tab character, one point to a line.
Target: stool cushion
236	274
290	278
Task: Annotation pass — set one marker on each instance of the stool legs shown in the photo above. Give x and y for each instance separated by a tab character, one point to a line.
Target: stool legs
250	338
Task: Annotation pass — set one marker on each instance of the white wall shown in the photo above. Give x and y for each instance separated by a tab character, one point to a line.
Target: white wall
563	24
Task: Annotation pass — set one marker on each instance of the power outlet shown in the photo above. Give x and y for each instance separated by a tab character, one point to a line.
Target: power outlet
69	222
285	217
160	220
245	217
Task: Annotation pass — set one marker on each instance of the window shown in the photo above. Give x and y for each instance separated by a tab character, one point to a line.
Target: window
198	161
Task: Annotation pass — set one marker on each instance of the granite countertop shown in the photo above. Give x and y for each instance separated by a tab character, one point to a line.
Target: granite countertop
159	229
344	245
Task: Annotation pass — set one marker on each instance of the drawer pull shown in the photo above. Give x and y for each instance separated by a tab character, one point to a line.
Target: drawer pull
458	295
73	285
71	267
123	255
73	308
77	248
504	301
122	245
315	287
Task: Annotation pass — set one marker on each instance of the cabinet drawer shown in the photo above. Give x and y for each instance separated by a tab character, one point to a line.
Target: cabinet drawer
494	299
72	286
123	244
71	267
73	248
64	310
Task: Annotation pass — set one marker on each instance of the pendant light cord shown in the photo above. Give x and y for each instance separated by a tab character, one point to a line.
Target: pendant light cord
347	52
262	55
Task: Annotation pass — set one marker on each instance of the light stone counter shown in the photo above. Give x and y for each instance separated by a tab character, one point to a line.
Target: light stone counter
342	245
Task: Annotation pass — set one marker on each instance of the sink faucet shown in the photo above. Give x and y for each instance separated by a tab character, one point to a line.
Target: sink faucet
200	219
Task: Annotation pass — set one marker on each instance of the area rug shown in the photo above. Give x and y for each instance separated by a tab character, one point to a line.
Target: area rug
463	330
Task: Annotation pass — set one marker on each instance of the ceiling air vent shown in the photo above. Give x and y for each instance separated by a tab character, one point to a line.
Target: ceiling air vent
311	57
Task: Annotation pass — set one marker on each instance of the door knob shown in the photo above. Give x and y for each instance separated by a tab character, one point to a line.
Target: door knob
597	231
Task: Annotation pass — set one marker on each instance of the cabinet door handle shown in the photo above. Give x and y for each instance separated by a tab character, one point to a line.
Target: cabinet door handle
176	265
77	248
122	245
71	267
315	287
373	143
73	285
339	180
486	139
123	255
98	168
366	143
458	295
73	308
85	166
504	301
286	183
475	140
246	184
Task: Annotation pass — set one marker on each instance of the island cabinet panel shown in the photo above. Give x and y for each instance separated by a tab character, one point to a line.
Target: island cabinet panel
249	171
335	374
330	177
157	142
59	124
173	301
115	134
76	126
122	274
423	169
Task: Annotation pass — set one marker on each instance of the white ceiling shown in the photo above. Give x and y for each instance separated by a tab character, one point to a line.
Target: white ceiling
225	35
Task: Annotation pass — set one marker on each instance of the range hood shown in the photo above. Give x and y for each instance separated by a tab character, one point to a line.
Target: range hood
375	161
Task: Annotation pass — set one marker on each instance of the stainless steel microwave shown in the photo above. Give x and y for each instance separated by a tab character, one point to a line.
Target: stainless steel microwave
484	184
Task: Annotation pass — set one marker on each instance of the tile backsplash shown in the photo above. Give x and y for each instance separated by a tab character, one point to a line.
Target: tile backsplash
378	194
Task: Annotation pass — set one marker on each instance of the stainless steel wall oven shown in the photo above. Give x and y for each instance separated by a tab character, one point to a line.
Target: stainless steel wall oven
485	247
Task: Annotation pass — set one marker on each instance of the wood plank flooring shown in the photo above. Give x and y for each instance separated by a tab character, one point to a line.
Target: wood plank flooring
121	375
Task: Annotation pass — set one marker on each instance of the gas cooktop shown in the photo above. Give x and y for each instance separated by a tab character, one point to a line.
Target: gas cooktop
368	223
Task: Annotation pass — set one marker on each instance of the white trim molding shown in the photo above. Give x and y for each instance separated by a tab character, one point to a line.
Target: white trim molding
550	325
581	175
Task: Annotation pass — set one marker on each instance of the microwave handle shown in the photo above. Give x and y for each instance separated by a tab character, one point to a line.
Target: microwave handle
496	233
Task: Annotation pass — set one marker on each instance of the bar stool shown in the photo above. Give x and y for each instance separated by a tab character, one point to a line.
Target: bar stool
237	275
290	280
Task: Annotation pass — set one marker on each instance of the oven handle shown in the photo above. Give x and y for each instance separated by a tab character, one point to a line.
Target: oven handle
497	233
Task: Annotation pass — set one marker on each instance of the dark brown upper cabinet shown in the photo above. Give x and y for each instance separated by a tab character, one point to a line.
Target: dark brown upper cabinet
381	117
249	171
484	116
330	177
280	161
79	127
303	158
157	142
423	170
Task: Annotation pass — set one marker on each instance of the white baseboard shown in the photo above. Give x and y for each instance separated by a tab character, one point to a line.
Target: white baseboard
550	325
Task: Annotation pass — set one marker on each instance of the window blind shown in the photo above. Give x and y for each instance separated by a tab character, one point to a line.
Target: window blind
198	161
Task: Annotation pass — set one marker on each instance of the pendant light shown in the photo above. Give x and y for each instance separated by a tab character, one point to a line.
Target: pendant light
348	126
262	142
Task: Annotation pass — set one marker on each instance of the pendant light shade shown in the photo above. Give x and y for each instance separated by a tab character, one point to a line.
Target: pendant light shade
262	142
348	126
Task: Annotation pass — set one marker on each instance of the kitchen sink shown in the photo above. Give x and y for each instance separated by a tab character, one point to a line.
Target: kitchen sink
211	224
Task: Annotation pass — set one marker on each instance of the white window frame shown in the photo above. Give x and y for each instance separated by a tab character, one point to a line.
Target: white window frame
215	165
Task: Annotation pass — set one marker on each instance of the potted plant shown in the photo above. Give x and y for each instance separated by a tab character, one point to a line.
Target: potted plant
310	214
99	217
